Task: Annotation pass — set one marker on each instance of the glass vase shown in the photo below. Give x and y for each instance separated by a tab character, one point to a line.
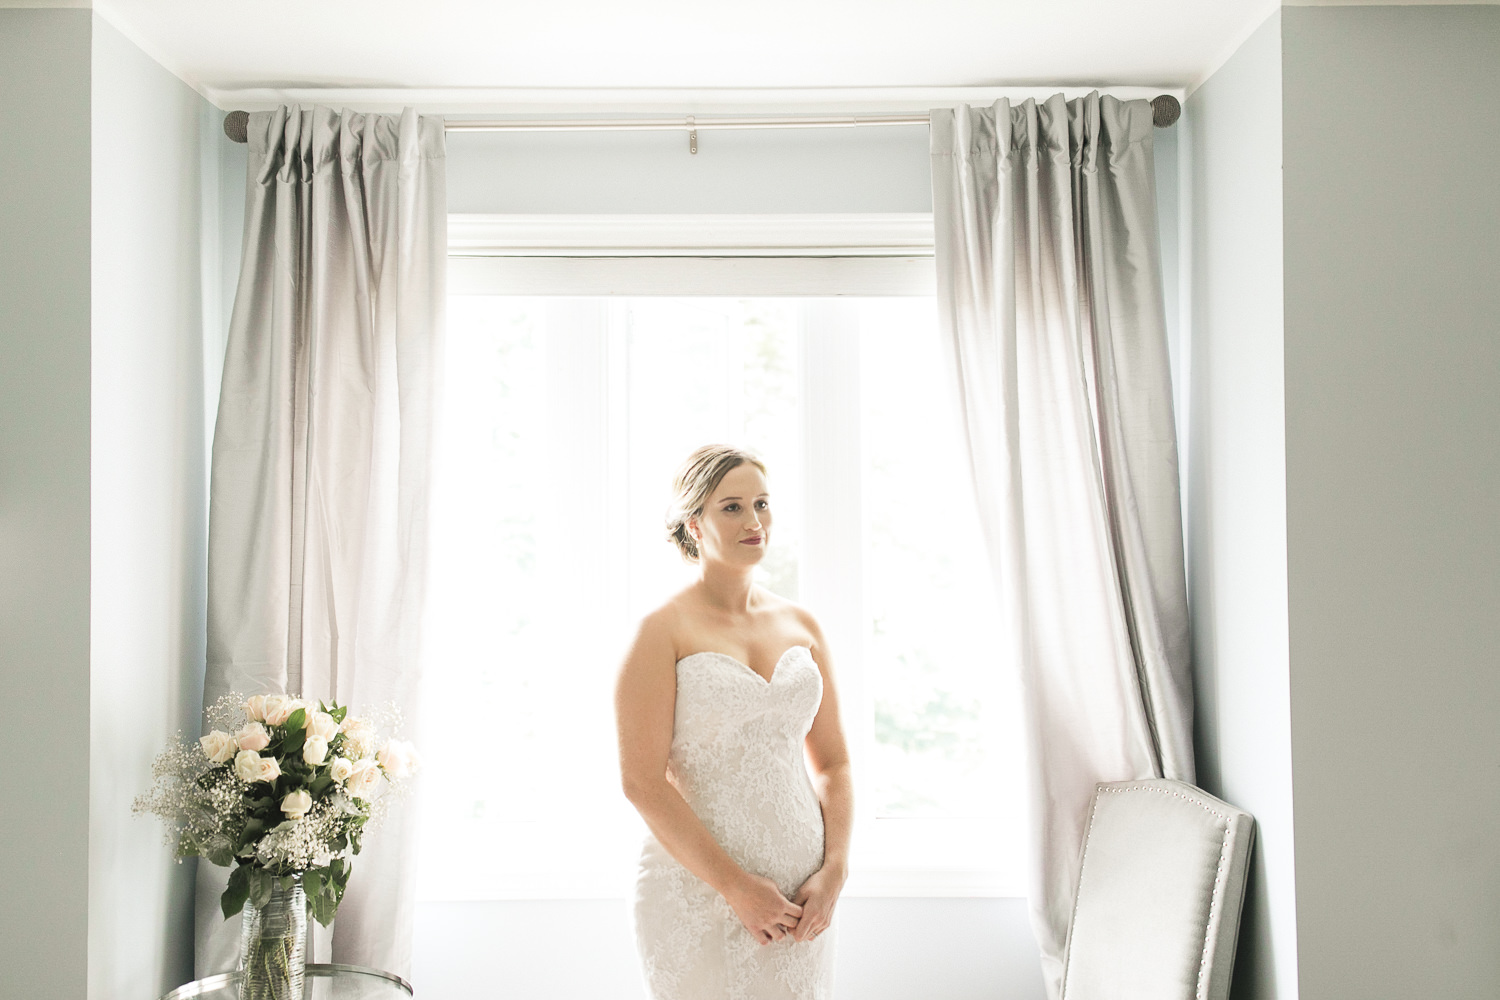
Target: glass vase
273	938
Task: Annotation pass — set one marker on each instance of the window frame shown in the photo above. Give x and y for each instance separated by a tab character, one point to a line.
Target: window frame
821	257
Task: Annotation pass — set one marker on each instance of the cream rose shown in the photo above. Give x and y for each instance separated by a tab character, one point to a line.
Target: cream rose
322	725
296	804
277	707
363	779
218	746
251	766
252	736
398	757
340	769
315	750
359	737
255	708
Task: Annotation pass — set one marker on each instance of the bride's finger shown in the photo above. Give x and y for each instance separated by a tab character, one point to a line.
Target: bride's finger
793	909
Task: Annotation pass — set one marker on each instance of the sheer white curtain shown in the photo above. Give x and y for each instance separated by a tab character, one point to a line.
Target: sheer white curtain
318	503
1049	290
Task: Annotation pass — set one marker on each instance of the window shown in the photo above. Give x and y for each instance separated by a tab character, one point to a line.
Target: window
566	416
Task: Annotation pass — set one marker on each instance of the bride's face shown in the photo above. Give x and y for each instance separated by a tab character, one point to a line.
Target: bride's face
735	526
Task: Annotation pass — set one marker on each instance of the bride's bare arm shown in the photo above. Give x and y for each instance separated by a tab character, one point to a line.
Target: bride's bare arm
828	753
645	700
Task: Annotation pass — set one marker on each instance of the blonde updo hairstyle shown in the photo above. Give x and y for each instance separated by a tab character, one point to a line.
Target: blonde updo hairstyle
694	483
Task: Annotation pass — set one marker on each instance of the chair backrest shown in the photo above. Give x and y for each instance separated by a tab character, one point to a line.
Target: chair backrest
1158	908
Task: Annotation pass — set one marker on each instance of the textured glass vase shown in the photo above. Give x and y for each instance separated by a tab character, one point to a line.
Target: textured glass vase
273	937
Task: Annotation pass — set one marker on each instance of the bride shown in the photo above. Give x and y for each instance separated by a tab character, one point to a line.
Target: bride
725	702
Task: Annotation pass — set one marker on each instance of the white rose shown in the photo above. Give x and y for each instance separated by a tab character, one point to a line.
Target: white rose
296	804
340	769
252	736
315	750
322	725
359	737
255	708
277	707
251	766
398	757
247	765
218	746
363	779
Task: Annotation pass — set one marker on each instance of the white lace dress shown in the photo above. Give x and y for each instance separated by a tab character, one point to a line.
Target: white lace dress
737	759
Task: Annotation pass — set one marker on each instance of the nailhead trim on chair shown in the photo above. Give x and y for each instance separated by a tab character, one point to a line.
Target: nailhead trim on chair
1213	899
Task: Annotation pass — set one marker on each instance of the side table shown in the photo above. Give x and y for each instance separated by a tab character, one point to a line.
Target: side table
324	982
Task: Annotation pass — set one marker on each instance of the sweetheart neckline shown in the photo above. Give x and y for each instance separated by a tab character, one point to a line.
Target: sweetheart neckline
764	680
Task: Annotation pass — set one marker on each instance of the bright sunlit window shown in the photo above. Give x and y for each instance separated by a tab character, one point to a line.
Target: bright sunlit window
565	419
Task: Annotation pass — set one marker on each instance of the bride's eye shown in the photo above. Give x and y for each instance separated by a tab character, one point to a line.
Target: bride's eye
762	504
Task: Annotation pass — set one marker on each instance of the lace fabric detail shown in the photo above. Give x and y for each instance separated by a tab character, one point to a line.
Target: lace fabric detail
737	759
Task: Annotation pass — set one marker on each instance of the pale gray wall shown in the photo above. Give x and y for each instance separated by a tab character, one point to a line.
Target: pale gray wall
1392	141
149	488
872	169
44	501
1235	483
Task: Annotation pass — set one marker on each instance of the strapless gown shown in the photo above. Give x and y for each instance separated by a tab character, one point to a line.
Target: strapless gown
737	759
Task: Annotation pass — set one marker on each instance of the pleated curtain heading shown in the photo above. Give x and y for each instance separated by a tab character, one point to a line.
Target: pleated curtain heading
318	501
1051	307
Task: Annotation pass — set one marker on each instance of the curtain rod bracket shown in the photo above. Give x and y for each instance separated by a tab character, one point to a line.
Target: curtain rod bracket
1165	110
237	126
692	136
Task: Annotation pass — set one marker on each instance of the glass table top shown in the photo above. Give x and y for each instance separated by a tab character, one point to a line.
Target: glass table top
324	982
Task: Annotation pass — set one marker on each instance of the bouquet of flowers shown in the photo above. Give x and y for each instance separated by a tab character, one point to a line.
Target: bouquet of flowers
280	787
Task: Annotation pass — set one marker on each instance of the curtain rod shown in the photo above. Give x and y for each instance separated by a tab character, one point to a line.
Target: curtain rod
1164	112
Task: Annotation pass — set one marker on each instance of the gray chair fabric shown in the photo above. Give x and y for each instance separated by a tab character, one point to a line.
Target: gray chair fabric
1157	913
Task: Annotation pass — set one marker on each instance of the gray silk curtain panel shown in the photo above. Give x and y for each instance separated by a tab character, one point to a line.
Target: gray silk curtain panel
1049	292
318	503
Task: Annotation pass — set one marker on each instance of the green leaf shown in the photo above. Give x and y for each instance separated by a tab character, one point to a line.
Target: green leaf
312	882
261	883
320	785
292	745
238	890
323	909
297	721
339	713
251	832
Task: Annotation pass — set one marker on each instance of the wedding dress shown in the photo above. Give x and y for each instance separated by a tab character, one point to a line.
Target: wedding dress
737	759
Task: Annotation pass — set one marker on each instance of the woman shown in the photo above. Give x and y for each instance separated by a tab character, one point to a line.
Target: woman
725	688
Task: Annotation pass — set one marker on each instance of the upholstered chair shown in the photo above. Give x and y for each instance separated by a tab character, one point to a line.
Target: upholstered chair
1158	908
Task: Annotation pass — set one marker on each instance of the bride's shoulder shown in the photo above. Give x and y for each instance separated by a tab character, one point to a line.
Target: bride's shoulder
790	611
663	627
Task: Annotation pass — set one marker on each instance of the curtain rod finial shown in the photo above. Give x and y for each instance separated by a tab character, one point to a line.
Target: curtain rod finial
1165	110
237	126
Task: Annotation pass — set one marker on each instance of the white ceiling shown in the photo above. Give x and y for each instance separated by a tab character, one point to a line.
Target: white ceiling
232	49
482	53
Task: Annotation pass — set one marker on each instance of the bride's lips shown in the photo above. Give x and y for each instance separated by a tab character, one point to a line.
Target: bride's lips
752	541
